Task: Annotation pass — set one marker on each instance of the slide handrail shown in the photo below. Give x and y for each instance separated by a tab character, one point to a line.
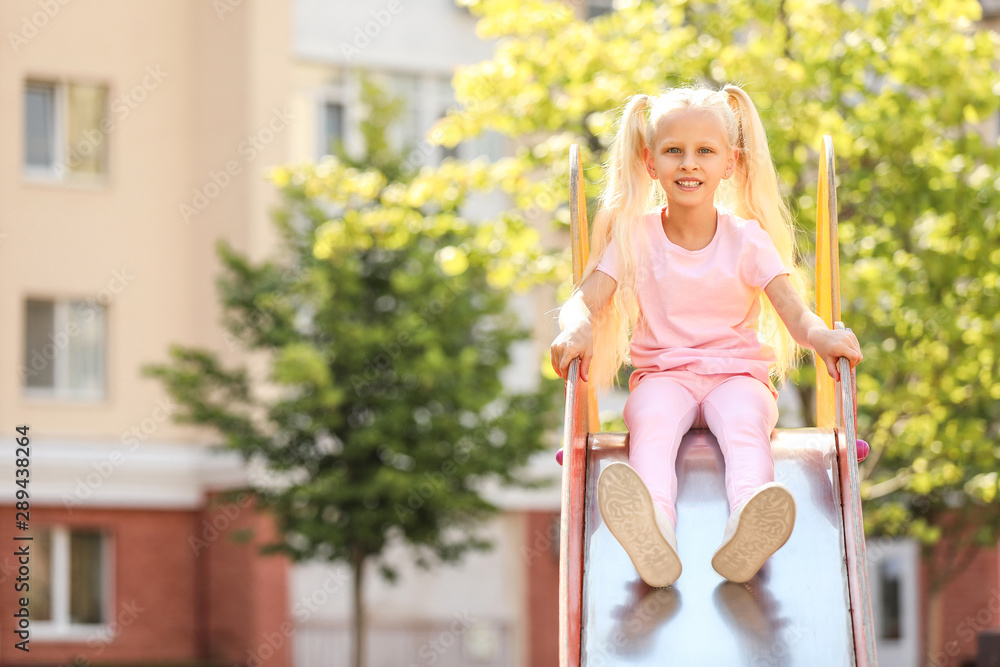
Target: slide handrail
827	274
580	235
854	526
836	407
580	418
574	488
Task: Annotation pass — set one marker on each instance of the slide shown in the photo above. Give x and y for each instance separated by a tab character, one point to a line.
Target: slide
809	605
795	611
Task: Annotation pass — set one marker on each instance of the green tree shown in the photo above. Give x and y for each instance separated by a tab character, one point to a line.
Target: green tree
384	325
901	86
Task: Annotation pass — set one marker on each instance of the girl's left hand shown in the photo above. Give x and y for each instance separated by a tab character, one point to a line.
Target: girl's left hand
831	344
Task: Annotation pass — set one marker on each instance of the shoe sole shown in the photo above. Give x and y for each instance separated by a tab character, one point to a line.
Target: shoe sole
627	510
765	524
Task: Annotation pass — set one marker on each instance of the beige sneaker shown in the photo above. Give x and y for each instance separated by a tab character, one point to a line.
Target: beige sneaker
755	530
639	524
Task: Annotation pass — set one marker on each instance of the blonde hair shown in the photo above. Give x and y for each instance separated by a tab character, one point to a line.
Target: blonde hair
629	193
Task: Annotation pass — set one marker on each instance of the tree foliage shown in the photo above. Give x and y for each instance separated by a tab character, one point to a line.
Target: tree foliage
905	89
384	326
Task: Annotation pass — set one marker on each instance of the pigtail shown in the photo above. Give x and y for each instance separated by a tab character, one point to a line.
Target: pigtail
626	197
757	197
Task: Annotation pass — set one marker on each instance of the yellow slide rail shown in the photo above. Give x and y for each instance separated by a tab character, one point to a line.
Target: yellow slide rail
827	274
836	408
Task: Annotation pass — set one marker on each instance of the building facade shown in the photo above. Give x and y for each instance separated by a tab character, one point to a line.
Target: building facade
136	134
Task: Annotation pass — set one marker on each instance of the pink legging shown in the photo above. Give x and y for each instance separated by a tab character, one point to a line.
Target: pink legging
740	410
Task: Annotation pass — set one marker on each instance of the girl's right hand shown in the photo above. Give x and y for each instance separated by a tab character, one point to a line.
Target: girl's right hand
570	344
577	338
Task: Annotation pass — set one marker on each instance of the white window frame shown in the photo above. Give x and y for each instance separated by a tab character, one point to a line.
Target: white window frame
53	174
59	103
594	8
434	96
334	93
425	98
902	652
60	628
60	362
323	140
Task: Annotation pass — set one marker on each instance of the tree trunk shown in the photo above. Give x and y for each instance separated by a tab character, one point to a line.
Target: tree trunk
934	623
358	566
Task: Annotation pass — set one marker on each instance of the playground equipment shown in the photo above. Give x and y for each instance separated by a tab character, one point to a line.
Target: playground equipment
810	603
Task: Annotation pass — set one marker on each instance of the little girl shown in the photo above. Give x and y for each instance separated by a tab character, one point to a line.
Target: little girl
689	278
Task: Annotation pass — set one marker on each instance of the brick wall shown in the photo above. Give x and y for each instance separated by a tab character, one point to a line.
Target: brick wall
540	556
181	589
153	588
248	616
970	603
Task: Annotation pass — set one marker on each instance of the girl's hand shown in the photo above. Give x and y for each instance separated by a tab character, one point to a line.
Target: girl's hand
577	338
831	344
572	343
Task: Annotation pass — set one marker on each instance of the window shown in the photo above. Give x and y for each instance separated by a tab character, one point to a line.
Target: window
39	126
892	576
69	581
890	603
487	145
64	352
424	98
412	123
332	134
597	8
65	131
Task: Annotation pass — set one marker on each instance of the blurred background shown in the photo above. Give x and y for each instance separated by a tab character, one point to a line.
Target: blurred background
278	280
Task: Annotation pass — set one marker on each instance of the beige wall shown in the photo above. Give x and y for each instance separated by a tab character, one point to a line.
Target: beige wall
222	79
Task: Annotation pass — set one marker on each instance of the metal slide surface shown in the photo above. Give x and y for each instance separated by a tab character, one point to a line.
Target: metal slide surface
795	611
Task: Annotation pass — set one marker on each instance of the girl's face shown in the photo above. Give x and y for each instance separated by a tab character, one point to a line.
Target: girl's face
689	156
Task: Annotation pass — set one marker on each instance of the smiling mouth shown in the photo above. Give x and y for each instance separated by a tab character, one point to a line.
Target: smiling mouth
688	184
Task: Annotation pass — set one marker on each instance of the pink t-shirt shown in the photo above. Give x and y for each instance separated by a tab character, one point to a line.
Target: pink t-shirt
698	309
